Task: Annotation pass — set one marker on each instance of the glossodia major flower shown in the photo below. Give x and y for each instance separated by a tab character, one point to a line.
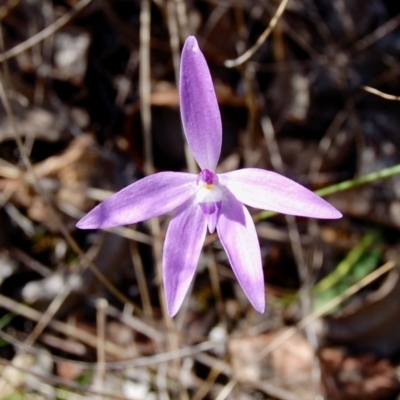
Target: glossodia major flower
207	200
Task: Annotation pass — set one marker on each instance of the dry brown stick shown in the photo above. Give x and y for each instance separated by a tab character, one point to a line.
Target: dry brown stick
139	362
56	303
87	338
226	390
46	198
170	7
174	41
226	369
125	84
141	280
99	380
145	85
276	391
373	276
378	33
327	140
297	249
137	324
182	18
175	48
145	113
45	33
63	382
216	288
207	384
54	306
264	36
5	9
205	387
213	18
384	95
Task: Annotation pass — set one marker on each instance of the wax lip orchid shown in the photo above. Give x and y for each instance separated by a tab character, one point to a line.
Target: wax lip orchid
207	199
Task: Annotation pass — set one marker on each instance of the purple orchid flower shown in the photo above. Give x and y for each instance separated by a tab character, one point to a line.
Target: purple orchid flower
207	199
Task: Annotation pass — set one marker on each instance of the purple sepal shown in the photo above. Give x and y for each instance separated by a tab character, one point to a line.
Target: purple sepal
200	114
238	235
147	198
268	190
182	247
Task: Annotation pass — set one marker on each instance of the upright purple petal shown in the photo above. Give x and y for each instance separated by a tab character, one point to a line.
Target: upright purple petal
238	235
182	247
270	191
149	197
201	118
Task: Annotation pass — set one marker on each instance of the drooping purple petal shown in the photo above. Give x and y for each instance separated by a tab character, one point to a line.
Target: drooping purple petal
200	114
211	213
182	247
270	191
238	235
147	198
209	198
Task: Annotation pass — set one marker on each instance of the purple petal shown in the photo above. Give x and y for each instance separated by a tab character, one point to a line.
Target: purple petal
147	198
183	244
270	191
238	235
201	118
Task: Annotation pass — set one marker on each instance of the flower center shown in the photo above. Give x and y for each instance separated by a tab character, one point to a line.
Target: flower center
209	197
207	178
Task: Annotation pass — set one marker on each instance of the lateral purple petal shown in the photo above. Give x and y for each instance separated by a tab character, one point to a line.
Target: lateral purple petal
182	247
147	198
200	114
238	235
270	191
